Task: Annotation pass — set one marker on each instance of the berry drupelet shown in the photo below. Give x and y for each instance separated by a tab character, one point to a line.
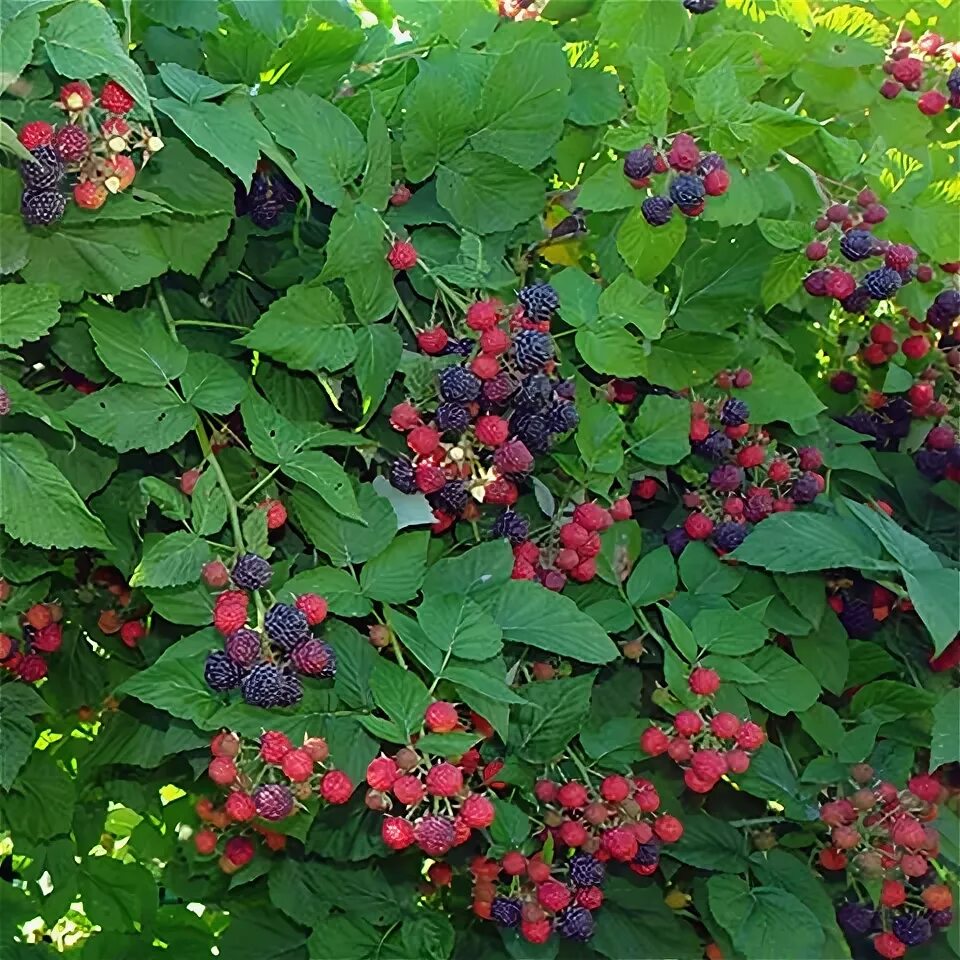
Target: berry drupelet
539	301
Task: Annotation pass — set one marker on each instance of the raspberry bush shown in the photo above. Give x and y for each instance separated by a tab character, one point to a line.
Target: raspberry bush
480	479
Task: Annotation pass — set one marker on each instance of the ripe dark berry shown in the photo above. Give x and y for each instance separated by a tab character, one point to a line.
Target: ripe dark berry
687	190
40	208
734	412
843	382
839	284
576	923
816	283
857	302
697	7
286	626
539	301
857	245
638	164
729	536
401	476
251	572
261	687
220	672
274	801
505	911
532	350
882	283
657	211
452	497
453	417
44	171
511	525
459	384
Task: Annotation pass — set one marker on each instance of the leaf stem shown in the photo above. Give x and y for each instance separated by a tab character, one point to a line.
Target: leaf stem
755	821
443	666
814	176
258	485
210	323
397	652
165	309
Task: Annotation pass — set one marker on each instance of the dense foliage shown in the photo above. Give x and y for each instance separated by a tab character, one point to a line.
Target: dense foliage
479	482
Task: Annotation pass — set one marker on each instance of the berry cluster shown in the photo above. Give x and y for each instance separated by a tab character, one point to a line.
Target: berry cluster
916	65
861	604
41	634
267	782
707	743
882	345
569	550
847	227
91	148
265	662
695	177
747	478
881	836
118	617
496	410
445	801
270	195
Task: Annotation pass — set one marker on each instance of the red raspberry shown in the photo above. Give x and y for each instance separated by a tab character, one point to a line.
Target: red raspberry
336	787
573	834
590	548
428	477
402	255
937	897
654	742
39	133
925	787
839	284
684	154
941	438
697	784
698	526
433	340
444	780
589	897
441	717
230	611
423	440
704	682
382	772
491	430
404	416
699	429
537	870
908	70
831	859
915	347
121	171
716	182
620	843
32	668
708	764
838	813
924	273
408	790
495	342
725	725
477	811
536	931
893	893
215	574
76	96
553	895
545	791
621	509
914	865
132	632
874	354
440	874
567	559
908	832
778	471
889	946
668	829
90	195
397	833
523	571
225	744
585	571
514	863
687	723
572	795
276	513
240	806
38	616
810	458
297	765
401	195
50	638
816	250
274	746
501	491
615	789
484	314
845	838
900	256
115	99
205	841
932	102
890	89
750	736
573	535
490	772
435	835
591	517
222	771
645	489
485	367
751	456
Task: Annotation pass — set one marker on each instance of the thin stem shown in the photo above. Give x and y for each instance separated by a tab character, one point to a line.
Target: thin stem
443	666
814	176
257	486
397	652
165	309
579	764
755	821
210	323
407	315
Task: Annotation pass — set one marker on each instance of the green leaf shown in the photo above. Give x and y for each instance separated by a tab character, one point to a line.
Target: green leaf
41	802
579	296
629	301
305	329
936	596
458	624
28	478
344	540
594	97
82	41
663	426
608	189
785	234
136	345
523	104
783	278
894	696
754	919
130	417
117	895
710	844
447	744
945	737
322	474
609	348
211	383
653	98
483	569
400	694
778	392
786	687
411	509
729	632
338	587
228	132
170	501
379	348
487	685
510	827
649	250
825	653
171	560
16	44
428	934
797	542
702	571
823	724
395	574
190	86
437	118
329	148
272	436
654	578
29	310
17	705
530	615
600	438
486	194
556	711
